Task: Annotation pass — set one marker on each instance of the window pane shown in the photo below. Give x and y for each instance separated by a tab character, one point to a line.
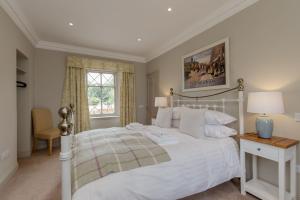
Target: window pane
108	100
108	79
94	78
94	100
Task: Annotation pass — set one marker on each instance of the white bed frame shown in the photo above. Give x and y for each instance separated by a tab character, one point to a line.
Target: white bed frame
212	104
67	123
67	134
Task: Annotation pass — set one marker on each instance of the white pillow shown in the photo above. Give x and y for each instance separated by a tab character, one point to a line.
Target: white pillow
175	123
219	131
218	118
192	122
164	117
177	112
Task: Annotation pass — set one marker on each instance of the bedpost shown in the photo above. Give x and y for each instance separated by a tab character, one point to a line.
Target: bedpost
65	127
171	98
72	118
241	105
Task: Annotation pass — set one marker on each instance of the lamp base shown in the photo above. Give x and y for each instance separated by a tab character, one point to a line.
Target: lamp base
264	127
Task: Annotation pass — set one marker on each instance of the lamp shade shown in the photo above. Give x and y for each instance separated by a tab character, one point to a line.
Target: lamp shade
161	102
265	102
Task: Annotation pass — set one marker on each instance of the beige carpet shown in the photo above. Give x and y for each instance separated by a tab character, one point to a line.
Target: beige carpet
38	178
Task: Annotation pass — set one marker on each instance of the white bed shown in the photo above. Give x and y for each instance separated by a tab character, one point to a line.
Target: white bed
196	165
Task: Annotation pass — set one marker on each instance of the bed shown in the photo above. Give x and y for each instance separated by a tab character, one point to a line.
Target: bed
195	165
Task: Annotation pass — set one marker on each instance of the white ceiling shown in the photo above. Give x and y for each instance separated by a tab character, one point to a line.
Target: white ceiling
111	27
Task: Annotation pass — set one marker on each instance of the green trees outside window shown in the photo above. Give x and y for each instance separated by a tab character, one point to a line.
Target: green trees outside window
101	93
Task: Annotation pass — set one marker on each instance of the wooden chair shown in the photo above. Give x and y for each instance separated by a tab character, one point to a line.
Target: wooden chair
43	127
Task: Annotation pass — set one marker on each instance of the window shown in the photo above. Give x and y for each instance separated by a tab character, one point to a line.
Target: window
101	89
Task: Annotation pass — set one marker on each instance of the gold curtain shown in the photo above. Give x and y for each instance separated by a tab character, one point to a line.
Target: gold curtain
75	93
127	99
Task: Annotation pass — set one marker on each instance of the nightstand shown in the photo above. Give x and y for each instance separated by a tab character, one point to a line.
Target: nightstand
277	149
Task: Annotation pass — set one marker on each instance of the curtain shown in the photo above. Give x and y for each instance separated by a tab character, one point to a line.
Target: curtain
105	65
75	93
127	99
75	88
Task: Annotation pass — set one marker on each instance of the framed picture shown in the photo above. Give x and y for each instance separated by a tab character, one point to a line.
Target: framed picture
206	68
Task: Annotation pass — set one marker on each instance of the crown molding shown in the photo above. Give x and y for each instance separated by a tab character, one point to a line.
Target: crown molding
88	51
215	18
20	20
23	24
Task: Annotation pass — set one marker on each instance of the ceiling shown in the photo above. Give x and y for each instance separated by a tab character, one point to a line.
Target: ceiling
110	28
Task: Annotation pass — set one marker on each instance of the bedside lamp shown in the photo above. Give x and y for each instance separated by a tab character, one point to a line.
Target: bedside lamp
161	102
265	103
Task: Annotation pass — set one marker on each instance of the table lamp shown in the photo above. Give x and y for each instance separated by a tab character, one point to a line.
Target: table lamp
265	103
161	102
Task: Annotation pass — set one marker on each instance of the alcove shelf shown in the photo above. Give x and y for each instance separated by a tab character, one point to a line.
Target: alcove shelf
22	62
20	70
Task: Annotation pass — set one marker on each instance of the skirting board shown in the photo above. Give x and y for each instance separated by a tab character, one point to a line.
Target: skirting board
24	154
9	176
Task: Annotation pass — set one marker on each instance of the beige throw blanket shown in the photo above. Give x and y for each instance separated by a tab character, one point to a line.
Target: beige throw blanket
102	152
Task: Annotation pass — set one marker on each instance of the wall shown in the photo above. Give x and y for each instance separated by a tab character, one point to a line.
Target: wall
49	80
11	39
264	50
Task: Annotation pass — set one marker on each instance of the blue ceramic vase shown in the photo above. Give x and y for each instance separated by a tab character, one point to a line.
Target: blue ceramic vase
264	127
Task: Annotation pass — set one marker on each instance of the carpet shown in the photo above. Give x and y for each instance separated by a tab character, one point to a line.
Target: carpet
38	178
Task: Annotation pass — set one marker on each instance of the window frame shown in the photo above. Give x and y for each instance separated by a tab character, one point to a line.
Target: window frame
116	94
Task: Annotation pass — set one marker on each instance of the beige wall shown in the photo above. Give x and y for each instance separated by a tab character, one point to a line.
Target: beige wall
49	80
11	39
264	50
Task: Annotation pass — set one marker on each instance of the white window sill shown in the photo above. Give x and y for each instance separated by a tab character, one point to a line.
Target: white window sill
104	117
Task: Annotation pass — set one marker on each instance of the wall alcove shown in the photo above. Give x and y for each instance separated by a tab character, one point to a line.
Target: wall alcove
23	105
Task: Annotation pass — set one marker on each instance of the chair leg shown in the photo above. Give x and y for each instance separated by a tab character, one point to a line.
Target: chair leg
50	147
35	142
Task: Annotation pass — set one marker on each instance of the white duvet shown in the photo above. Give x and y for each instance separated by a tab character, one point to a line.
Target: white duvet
196	165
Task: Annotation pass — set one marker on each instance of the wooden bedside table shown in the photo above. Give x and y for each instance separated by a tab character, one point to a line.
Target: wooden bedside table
277	149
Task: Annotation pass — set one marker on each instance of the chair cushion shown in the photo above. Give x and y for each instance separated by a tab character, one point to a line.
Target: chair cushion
48	134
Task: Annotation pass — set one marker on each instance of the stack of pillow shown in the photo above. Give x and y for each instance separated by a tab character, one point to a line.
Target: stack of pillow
196	122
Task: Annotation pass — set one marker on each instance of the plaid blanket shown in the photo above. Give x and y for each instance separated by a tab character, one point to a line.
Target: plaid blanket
103	152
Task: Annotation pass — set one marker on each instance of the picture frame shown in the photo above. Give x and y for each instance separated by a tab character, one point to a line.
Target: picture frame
207	68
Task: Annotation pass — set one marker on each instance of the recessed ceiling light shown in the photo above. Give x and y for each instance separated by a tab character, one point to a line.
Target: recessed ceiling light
139	39
71	24
169	9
